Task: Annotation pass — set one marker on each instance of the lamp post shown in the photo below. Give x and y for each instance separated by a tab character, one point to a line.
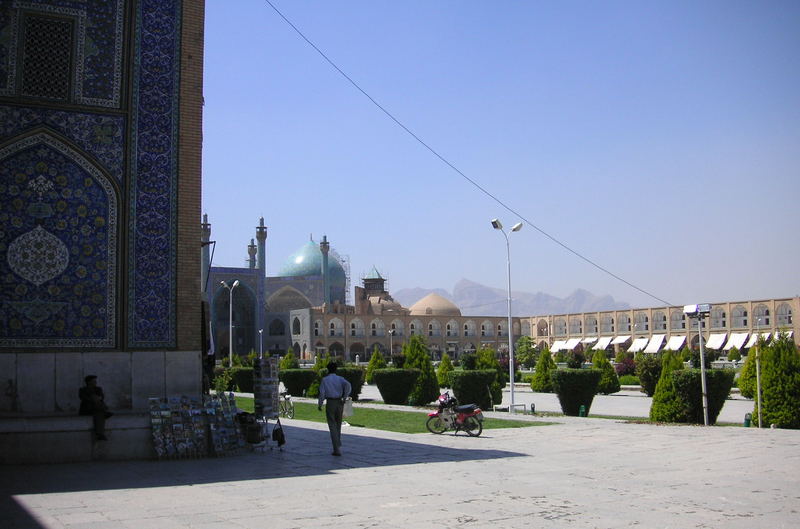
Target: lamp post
391	335
758	377
230	318
261	343
496	224
700	311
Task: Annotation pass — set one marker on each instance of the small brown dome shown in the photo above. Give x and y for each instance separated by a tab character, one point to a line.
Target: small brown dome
434	305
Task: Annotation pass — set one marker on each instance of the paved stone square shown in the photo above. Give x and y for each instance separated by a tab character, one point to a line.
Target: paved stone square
577	473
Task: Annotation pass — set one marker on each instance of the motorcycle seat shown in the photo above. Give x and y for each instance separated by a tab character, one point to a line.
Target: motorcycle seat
466	408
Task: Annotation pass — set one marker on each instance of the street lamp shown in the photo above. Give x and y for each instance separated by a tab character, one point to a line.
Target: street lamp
758	377
391	334
699	312
230	318
260	343
496	224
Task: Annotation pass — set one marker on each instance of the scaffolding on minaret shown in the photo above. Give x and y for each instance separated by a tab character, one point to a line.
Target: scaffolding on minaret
344	260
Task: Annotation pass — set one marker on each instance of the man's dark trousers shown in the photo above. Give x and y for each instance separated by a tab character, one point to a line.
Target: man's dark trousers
333	412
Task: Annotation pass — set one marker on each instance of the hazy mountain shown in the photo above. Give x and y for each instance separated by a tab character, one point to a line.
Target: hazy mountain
475	299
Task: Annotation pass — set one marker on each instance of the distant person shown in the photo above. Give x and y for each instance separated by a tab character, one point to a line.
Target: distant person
93	403
334	390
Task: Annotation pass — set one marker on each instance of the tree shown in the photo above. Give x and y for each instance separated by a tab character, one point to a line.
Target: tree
575	360
667	405
747	376
426	387
525	353
376	361
541	381
486	359
648	369
609	381
560	357
780	384
288	362
734	355
443	373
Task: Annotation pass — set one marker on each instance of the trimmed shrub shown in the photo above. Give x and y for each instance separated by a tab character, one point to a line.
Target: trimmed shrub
541	381
486	359
242	378
688	386
289	361
609	382
709	354
297	381
575	387
394	384
628	380
426	387
354	375
468	360
648	369
734	355
747	376
625	366
575	360
667	405
398	361
376	361
780	384
472	386
443	373
560	357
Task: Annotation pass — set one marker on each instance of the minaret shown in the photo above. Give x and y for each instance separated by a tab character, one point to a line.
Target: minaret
251	254
325	247
205	252
261	236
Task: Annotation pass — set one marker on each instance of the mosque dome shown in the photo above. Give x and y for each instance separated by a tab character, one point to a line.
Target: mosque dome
307	261
434	305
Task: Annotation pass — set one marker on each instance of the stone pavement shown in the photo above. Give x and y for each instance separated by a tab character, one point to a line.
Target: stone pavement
596	473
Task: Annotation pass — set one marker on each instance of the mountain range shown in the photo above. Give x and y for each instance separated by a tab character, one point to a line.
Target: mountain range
475	299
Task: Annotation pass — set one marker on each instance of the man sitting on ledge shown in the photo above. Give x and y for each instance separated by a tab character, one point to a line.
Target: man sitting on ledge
92	403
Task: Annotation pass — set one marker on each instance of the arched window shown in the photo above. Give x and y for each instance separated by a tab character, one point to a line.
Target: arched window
761	316
397	327
624	323
659	321
784	313
357	328
542	328
717	318
677	320
336	327
591	324
377	328
296	326
317	327
739	315
434	328
502	329
277	328
641	322
487	329
560	327
607	324
575	326
526	327
469	328
451	329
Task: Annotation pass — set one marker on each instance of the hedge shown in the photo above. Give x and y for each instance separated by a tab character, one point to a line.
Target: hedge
242	378
689	389
575	387
297	381
472	386
354	375
395	385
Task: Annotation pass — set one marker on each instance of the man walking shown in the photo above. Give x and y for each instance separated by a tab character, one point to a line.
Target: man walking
334	390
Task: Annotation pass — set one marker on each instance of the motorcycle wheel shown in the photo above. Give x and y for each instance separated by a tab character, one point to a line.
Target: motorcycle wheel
436	425
472	426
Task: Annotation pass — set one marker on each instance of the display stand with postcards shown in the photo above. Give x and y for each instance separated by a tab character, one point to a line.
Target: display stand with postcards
265	397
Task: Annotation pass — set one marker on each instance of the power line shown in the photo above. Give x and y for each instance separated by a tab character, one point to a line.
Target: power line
456	169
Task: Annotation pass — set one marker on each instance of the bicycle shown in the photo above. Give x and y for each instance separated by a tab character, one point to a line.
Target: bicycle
286	406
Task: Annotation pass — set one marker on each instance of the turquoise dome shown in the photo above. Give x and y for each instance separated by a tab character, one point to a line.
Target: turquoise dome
307	261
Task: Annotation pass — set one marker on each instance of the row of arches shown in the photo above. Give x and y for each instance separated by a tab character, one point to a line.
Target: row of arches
377	328
641	322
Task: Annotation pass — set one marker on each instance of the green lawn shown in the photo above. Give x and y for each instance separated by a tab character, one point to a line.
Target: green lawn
391	420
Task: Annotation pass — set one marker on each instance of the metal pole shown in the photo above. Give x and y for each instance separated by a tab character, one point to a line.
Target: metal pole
510	328
230	327
758	384
702	369
261	343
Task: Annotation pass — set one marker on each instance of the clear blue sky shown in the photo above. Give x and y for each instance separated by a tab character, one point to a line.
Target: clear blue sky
662	140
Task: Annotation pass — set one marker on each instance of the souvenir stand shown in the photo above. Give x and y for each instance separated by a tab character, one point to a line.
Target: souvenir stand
265	395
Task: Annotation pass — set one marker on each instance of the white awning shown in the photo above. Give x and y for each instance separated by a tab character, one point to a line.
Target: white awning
715	341
602	343
754	338
591	339
655	343
736	340
557	346
675	343
572	343
620	339
637	345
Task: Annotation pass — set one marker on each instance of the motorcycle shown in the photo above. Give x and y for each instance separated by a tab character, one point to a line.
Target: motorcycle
451	416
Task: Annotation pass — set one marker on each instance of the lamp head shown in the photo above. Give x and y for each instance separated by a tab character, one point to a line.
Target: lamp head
496	224
224	284
517	226
235	284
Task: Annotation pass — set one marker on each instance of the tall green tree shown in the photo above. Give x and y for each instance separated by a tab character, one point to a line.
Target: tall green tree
780	384
609	381
289	361
376	361
442	374
426	388
486	358
541	382
525	353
